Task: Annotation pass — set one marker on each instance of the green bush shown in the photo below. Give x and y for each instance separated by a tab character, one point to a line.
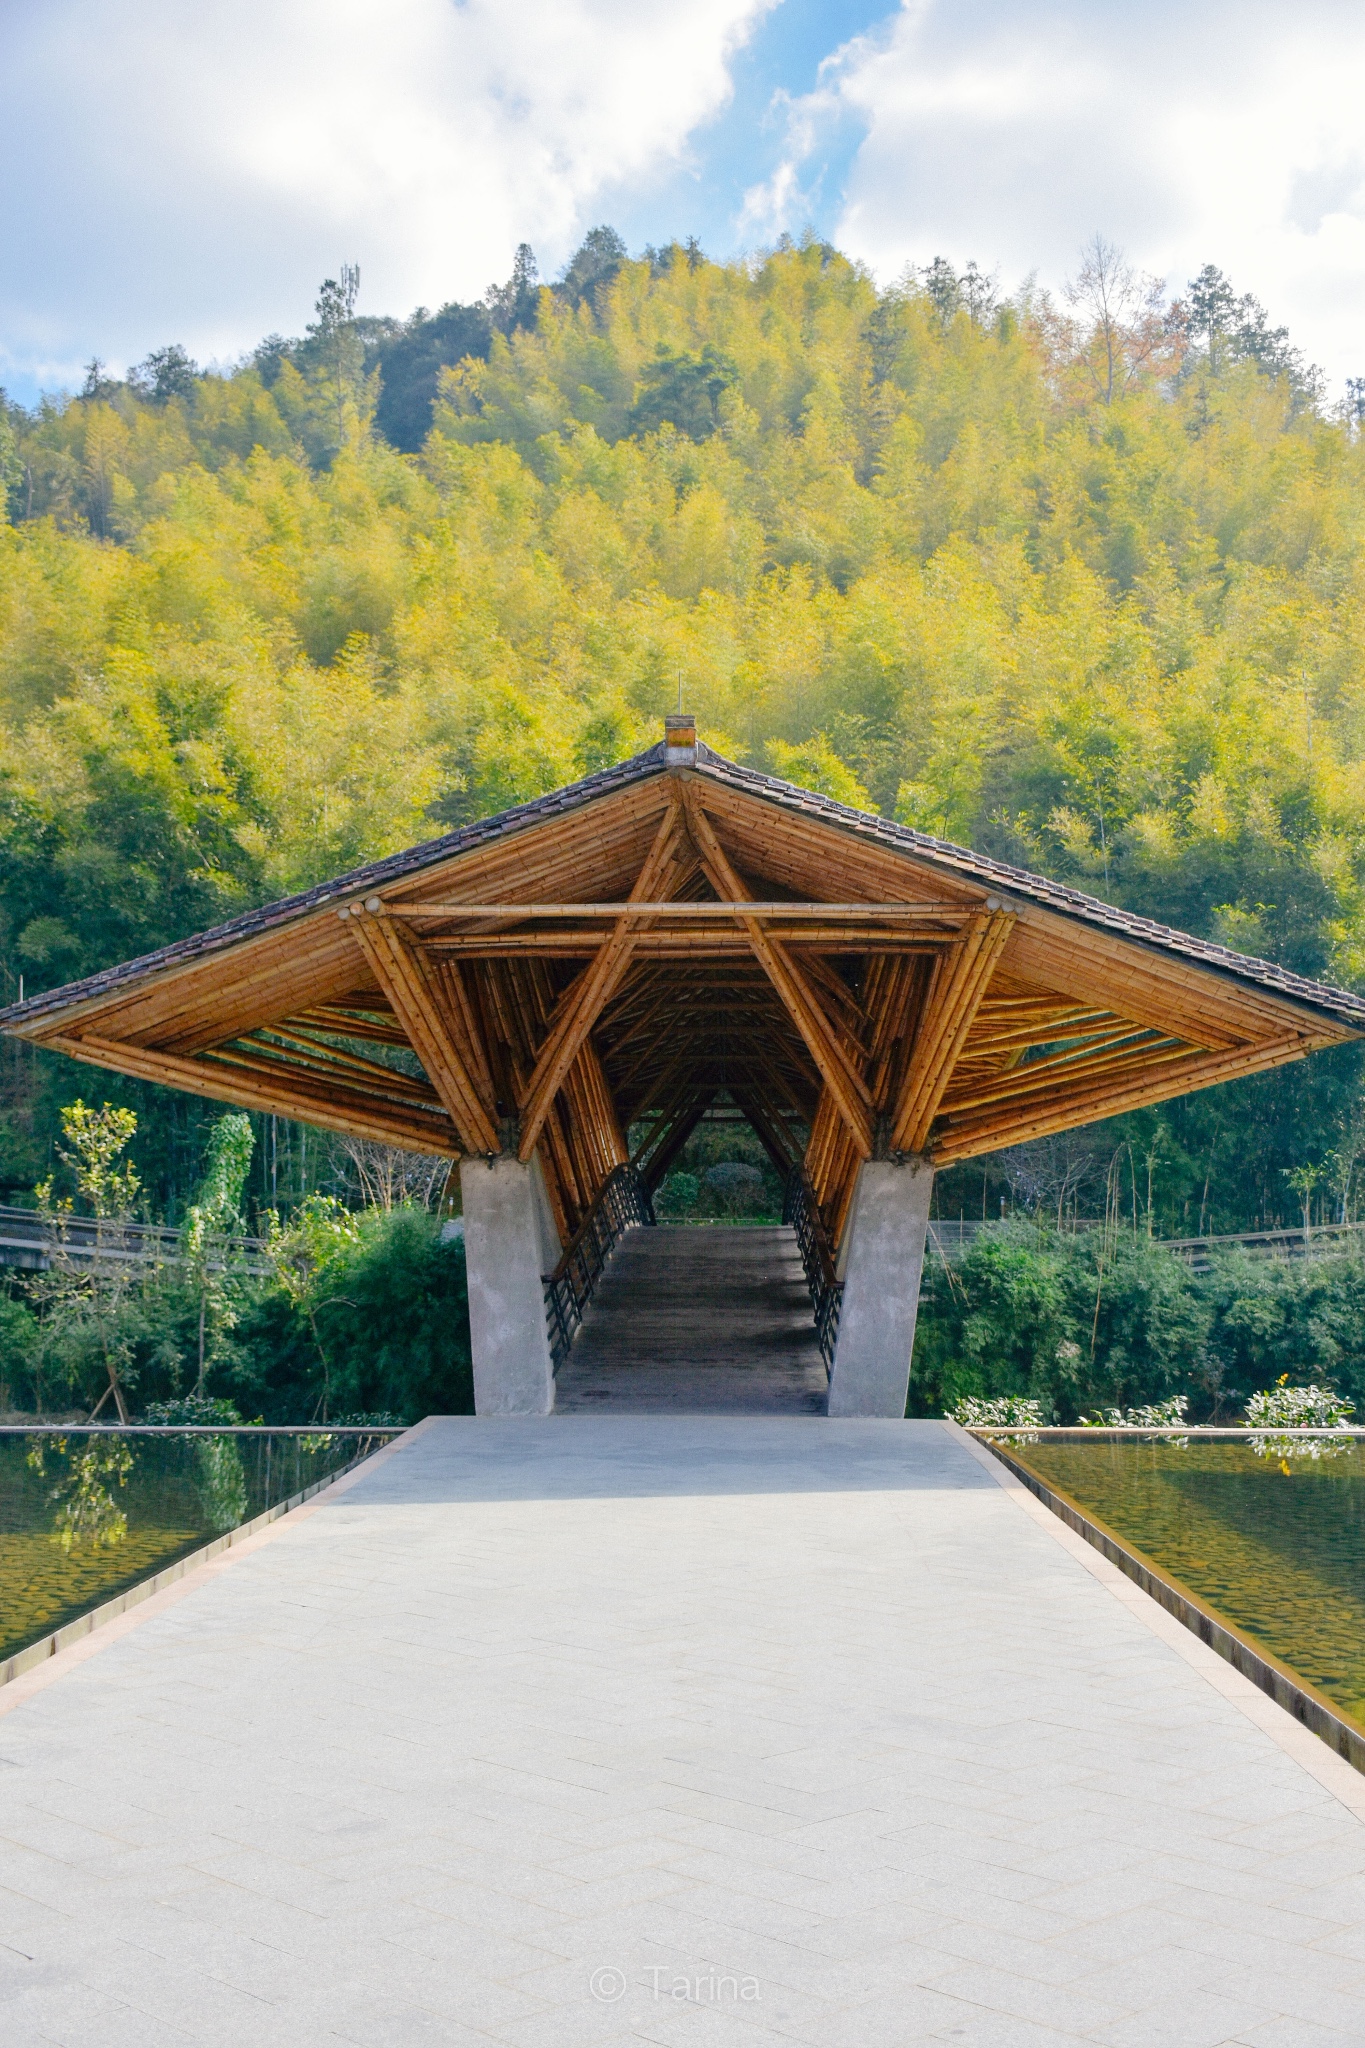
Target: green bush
1095	1321
678	1196
18	1355
383	1326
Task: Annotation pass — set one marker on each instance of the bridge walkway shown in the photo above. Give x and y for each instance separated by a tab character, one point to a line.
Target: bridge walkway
706	1320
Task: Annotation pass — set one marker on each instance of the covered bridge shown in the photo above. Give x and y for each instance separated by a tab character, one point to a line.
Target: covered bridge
556	997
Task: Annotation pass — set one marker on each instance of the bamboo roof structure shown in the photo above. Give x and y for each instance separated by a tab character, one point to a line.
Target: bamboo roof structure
600	967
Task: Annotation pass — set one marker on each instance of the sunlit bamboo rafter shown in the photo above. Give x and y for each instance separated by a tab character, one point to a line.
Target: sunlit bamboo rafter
598	981
840	1076
402	975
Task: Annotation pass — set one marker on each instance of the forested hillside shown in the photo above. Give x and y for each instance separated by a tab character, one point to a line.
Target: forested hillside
1079	584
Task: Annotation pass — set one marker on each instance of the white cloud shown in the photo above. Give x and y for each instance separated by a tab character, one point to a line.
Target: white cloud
1191	131
190	173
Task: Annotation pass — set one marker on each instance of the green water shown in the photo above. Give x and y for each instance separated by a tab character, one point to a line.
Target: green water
1275	1547
83	1518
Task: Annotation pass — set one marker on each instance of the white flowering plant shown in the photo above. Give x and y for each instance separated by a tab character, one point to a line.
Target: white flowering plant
1005	1411
1283	1408
1155	1415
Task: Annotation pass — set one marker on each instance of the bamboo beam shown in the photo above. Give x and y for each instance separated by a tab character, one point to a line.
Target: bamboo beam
1118	1050
769	1132
402	976
276	1093
280	1056
461	1011
1179	1074
681	1064
662	1147
1111	967
271	1064
598	982
958	987
953	914
366	1026
703	940
845	1084
988	1039
316	1056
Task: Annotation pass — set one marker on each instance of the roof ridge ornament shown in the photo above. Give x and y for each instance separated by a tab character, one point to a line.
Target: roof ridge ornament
680	740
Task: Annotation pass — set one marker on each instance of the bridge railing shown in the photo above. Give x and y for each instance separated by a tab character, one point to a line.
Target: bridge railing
802	1212
29	1240
623	1204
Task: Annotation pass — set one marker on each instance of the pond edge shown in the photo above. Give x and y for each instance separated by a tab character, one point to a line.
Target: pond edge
85	1624
1280	1684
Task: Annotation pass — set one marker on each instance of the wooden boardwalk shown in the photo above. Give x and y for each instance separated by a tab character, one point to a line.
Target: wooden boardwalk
706	1321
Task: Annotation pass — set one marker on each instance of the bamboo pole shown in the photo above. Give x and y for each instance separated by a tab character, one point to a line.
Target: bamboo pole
844	1083
598	982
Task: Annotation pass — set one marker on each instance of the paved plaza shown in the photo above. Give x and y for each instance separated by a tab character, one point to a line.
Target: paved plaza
627	1728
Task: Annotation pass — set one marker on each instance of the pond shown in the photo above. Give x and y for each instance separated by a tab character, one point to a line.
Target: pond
1272	1544
85	1516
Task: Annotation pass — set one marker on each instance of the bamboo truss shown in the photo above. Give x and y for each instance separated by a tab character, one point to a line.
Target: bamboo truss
584	979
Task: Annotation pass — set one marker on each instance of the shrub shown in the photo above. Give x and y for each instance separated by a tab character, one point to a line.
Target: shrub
1298	1408
382	1326
678	1195
1009	1412
1154	1415
18	1355
1072	1322
995	1323
738	1188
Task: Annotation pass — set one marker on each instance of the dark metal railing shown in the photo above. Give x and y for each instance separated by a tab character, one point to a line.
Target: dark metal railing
623	1204
802	1211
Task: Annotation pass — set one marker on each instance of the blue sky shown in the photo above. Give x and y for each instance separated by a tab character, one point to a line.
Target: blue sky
739	148
173	173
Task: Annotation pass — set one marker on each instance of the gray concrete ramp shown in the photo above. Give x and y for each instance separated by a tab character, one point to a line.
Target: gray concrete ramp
698	1320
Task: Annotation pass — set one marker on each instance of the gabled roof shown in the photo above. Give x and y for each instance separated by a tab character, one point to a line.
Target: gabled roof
1340	1004
888	989
376	874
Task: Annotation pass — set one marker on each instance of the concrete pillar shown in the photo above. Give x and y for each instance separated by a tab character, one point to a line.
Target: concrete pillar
509	1242
885	1252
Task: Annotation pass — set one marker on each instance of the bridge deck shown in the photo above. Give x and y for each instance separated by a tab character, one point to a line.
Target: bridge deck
760	1733
698	1320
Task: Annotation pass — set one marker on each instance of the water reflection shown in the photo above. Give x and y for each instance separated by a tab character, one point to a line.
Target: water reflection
1268	1537
87	1512
84	1516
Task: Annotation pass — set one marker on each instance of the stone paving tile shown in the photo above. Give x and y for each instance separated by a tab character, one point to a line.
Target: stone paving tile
1194	2019
1347	1943
808	1703
118	2027
976	2029
402	2027
1296	2033
1002	1988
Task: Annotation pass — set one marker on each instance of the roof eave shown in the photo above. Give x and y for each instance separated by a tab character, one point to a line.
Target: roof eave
73	997
1316	1000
